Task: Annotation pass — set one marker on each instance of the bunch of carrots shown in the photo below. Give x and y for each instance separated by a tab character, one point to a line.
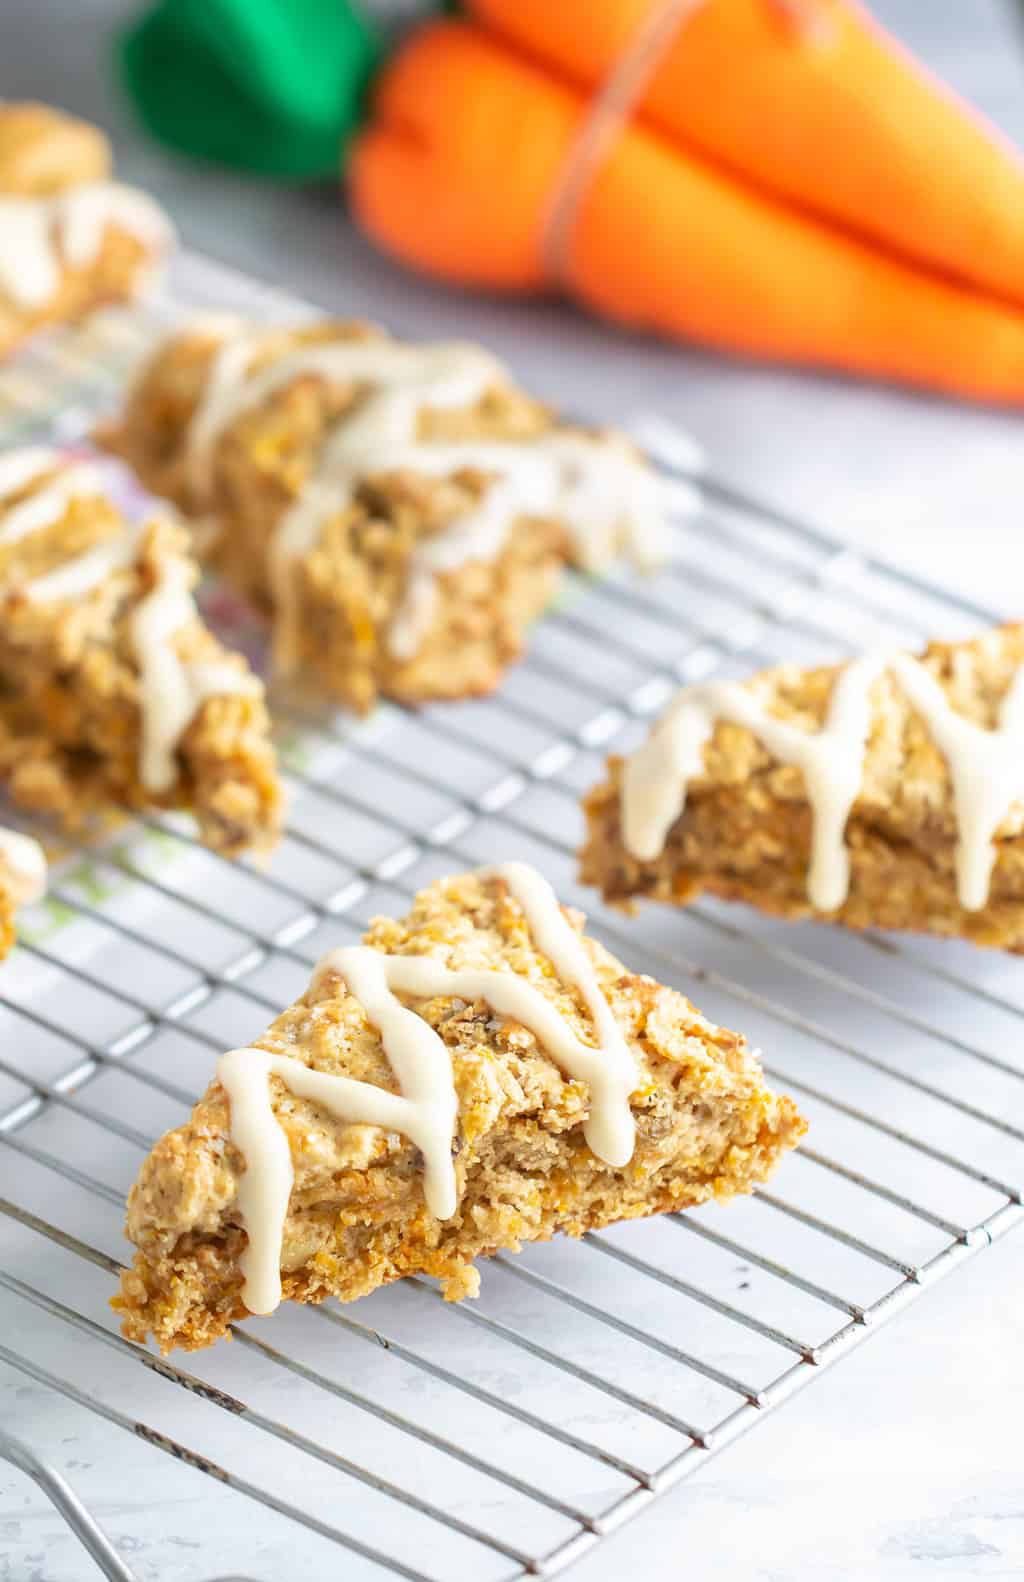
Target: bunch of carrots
785	182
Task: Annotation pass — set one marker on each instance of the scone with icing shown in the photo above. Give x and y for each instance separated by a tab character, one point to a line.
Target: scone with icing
22	879
70	237
113	692
403	511
477	1075
886	793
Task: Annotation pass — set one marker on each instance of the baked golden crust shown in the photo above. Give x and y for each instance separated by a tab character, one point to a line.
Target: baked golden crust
70	689
44	153
745	833
350	585
706	1127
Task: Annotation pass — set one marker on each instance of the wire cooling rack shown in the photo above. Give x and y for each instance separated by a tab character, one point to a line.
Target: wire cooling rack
500	1438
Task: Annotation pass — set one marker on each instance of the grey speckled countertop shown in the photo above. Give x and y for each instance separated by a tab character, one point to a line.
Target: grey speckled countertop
904	1463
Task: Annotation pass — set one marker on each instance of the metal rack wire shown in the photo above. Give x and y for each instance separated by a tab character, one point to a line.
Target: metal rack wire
503	1438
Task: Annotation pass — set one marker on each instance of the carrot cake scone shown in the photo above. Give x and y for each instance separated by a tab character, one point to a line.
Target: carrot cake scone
404	511
22	879
70	238
112	690
887	793
477	1075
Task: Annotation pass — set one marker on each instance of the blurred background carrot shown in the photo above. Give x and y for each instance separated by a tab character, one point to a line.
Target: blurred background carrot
783	183
774	178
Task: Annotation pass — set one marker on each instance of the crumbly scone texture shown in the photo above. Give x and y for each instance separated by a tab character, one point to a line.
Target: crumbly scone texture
70	720
745	833
707	1126
42	152
351	584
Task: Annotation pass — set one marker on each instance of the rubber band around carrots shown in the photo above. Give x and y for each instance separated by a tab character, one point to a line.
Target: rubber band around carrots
805	194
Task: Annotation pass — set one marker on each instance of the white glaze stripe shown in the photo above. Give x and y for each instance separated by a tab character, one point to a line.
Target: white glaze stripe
170	690
80	480
426	1109
25	862
601	491
21	467
87	570
37	234
612	1075
456	375
986	768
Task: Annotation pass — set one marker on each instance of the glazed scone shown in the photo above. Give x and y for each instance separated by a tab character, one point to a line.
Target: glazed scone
113	692
71	239
886	793
22	879
403	511
477	1075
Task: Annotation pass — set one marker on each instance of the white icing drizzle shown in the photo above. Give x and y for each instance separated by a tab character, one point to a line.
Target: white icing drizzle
79	480
25	862
170	690
39	235
20	467
602	492
986	768
72	480
444	374
426	1109
87	570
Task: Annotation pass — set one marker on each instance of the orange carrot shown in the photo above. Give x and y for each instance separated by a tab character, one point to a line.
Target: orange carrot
852	130
456	172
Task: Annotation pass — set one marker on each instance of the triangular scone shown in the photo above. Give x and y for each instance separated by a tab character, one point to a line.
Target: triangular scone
113	692
509	1145
885	793
70	238
22	879
404	511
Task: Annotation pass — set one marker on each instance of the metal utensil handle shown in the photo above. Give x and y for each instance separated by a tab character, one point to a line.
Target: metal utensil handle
82	1523
78	1517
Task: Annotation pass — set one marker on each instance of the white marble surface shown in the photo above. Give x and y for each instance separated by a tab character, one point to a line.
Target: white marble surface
903	1463
898	1466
